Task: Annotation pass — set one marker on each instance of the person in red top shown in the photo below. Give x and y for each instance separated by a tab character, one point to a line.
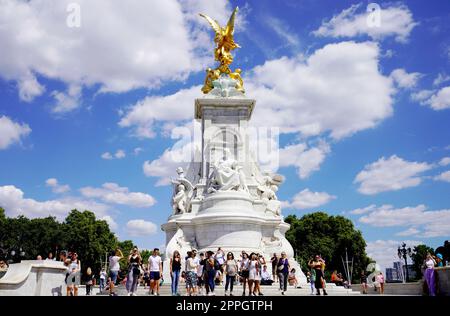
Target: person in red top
336	279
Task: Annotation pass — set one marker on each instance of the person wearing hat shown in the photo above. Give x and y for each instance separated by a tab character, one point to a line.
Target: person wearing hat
439	260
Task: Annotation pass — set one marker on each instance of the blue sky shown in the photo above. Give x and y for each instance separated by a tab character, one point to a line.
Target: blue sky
89	114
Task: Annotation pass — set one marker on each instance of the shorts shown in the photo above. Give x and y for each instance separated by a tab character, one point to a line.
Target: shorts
155	275
200	281
191	279
113	276
245	274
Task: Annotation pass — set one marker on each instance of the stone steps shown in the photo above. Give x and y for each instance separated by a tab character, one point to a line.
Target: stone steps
272	290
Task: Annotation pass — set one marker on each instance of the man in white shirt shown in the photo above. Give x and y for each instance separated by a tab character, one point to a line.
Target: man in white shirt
265	277
155	265
196	259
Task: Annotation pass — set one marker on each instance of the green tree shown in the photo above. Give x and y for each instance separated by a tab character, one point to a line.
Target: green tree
89	237
418	256
328	236
145	254
41	236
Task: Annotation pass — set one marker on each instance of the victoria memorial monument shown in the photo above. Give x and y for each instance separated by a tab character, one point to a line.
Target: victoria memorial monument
223	199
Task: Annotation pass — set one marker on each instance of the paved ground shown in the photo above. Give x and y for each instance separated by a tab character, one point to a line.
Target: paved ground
219	291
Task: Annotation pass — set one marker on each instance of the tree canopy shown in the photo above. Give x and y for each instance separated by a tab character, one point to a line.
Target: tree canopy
81	232
330	237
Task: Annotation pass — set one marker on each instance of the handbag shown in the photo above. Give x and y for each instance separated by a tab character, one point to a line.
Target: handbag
281	266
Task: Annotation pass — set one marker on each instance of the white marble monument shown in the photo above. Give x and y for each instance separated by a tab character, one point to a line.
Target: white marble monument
224	199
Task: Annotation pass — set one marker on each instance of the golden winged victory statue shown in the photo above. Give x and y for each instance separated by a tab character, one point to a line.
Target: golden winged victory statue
222	53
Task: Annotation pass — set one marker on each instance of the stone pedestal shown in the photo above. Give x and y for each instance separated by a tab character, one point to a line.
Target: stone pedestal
229	202
34	278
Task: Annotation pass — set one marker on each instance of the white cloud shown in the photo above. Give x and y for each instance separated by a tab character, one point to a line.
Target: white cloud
113	193
29	87
436	99
364	210
165	165
139	227
184	151
137	44
395	20
138	150
176	107
306	160
390	174
404	79
422	95
307	199
428	223
66	102
315	95
118	155
445	161
445	176
441	78
111	222
11	132
384	252
13	201
107	155
56	186
388	53
440	100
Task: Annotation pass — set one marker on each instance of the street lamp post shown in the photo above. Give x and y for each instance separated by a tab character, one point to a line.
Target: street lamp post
404	252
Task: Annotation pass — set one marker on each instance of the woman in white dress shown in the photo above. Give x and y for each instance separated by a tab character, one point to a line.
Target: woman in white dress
253	274
257	282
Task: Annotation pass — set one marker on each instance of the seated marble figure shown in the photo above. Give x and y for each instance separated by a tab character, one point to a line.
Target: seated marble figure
227	175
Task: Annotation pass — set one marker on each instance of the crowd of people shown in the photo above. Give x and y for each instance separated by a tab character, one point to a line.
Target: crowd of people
202	272
199	272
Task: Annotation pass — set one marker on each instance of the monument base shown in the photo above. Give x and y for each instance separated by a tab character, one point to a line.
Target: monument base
231	221
34	278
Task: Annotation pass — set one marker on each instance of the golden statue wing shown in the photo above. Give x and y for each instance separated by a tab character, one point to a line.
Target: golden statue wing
229	30
215	25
